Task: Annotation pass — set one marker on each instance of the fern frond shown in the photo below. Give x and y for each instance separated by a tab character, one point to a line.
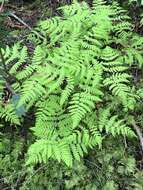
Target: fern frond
111	124
98	2
112	60
67	91
11	54
118	85
31	90
38	58
22	55
68	149
109	54
9	114
81	104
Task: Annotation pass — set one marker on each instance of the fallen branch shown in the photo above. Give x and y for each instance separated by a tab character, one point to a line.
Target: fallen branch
26	25
3	61
1	7
139	133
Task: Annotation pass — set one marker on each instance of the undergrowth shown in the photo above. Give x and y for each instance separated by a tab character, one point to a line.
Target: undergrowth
81	87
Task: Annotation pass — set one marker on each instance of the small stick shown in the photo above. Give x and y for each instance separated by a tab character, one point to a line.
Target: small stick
25	24
139	133
21	21
1	7
3	61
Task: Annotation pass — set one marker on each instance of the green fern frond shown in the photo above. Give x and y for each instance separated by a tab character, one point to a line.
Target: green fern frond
11	54
109	54
22	58
81	104
103	118
124	26
111	124
38	58
67	91
48	26
68	149
117	127
8	113
118	85
96	3
31	90
112	61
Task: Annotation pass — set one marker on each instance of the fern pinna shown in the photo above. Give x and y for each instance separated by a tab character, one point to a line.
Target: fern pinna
77	80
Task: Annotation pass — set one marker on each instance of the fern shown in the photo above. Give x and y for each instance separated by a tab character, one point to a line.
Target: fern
67	91
72	147
112	60
81	104
9	114
83	65
118	85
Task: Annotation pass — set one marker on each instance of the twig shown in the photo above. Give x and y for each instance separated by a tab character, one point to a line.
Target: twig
1	7
25	24
139	133
19	19
28	180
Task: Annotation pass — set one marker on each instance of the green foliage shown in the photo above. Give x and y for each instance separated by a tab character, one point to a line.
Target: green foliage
77	92
78	83
112	168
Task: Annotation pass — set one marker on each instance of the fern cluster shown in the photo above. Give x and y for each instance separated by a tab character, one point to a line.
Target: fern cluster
76	81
